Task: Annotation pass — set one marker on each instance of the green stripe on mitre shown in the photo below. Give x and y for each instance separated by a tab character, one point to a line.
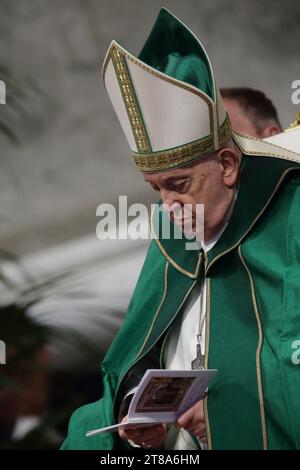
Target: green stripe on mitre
171	48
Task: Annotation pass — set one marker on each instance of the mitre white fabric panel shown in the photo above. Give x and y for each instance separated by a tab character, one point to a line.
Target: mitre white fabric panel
289	140
173	116
114	92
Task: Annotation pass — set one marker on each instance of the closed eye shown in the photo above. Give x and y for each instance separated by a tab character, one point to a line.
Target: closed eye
179	187
154	187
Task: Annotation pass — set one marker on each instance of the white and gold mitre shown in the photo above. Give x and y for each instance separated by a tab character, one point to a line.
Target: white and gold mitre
166	99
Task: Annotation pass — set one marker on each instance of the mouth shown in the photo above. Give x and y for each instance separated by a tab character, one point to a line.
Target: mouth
186	224
181	220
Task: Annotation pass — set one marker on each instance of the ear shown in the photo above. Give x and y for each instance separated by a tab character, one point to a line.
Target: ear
270	130
229	159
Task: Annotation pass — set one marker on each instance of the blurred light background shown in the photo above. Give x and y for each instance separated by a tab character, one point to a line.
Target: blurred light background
63	152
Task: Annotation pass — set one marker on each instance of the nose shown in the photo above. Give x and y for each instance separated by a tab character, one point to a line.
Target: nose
167	199
170	201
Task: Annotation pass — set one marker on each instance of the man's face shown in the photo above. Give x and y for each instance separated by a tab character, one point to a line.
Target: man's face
239	120
198	183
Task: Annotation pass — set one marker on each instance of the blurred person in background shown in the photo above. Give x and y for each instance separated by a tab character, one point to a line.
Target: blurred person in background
37	394
25	383
251	112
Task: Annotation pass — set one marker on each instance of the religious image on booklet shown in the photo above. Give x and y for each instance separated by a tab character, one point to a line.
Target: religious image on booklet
162	396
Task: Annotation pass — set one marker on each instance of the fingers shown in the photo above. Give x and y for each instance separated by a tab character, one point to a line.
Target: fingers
192	416
155	441
198	431
130	433
152	433
193	420
145	437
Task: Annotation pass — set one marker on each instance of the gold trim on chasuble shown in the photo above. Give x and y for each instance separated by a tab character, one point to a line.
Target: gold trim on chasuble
235	245
150	328
207	267
154	235
158	308
258	352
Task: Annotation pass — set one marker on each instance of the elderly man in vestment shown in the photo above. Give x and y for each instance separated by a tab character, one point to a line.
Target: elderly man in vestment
232	304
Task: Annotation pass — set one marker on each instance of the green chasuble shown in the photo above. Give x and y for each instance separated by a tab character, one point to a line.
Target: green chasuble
253	318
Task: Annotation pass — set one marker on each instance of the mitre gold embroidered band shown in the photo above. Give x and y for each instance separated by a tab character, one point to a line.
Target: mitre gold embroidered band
167	159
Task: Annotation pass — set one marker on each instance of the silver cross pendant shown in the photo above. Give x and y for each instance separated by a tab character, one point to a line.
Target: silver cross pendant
199	362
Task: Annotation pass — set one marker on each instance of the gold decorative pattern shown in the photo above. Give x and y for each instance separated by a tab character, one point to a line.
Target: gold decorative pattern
258	352
130	100
166	159
164	77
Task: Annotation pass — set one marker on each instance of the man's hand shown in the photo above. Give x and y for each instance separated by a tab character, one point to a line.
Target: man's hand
150	436
193	421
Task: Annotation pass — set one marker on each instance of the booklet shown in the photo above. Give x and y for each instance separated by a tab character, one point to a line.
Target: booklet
162	396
